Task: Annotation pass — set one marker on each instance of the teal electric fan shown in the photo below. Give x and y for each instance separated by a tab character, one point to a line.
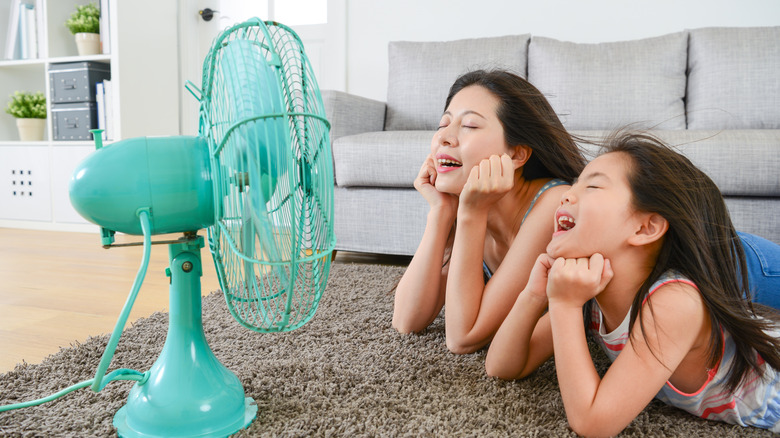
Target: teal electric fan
259	177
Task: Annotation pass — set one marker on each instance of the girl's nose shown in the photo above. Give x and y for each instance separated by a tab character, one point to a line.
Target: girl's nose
568	197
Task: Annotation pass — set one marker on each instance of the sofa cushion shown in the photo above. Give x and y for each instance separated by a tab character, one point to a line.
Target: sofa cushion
755	215
393	158
607	85
741	162
380	159
733	81
421	73
379	220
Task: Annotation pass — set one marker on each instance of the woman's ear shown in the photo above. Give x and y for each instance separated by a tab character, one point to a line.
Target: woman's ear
520	155
652	227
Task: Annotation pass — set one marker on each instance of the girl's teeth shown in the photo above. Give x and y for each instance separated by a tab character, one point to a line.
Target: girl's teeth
443	162
566	222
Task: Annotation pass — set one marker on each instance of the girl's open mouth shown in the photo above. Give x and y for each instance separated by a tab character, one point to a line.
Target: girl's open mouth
446	163
563	222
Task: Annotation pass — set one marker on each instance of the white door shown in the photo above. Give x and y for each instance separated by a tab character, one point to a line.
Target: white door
324	42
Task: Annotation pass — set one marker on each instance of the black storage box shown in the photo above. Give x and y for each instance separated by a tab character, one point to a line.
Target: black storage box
75	81
72	121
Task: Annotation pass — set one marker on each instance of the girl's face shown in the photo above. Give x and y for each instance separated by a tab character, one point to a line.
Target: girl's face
469	132
596	213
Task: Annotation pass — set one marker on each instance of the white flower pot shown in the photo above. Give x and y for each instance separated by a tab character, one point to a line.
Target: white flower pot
30	129
88	43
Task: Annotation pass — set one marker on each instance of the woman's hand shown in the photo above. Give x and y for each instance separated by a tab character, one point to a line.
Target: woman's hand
488	181
575	281
425	183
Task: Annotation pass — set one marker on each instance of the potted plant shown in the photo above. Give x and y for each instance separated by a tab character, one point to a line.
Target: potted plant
30	112
84	24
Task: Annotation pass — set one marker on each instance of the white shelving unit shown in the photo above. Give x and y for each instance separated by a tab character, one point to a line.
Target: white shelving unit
143	58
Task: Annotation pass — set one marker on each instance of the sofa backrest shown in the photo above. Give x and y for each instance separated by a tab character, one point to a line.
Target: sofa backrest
709	78
734	78
421	73
609	85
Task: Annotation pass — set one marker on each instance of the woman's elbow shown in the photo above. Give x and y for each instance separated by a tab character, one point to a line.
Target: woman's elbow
406	326
402	328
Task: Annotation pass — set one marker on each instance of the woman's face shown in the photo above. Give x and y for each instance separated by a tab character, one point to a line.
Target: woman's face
469	132
596	214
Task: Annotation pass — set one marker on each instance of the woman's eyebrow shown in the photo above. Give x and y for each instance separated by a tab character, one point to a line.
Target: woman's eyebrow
464	113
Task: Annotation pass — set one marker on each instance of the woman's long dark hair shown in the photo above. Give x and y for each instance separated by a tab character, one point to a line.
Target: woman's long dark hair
528	119
701	244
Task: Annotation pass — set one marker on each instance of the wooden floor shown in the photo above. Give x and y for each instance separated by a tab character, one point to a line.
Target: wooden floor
58	288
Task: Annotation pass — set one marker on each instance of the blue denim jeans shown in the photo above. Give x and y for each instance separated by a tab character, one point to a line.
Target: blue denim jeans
763	264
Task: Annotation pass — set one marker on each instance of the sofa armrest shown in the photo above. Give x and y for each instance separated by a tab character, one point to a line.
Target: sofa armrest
350	114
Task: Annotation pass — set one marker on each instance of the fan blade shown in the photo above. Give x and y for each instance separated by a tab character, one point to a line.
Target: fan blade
262	138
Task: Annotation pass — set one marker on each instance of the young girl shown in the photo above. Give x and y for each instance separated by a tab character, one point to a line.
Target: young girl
645	256
500	159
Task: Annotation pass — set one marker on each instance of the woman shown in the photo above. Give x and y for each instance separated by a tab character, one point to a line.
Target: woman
499	163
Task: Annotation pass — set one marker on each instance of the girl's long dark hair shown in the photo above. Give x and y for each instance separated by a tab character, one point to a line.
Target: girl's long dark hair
701	244
528	119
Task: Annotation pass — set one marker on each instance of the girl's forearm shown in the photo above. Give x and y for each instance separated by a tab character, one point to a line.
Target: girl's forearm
510	350
418	297
466	284
577	376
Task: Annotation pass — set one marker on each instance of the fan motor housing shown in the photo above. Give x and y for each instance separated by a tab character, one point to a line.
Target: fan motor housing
169	176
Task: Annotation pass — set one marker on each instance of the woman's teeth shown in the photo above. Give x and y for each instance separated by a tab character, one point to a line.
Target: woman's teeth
566	223
448	163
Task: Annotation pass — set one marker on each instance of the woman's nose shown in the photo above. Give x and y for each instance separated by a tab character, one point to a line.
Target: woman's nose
447	137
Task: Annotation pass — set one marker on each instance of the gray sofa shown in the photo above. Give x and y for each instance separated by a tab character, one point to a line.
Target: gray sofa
712	92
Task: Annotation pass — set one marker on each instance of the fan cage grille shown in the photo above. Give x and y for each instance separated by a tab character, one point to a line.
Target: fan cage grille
273	176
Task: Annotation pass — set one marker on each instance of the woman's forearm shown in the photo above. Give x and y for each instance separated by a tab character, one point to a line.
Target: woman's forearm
419	297
466	285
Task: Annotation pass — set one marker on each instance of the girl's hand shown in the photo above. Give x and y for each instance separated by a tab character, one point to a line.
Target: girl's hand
488	182
575	281
425	183
537	280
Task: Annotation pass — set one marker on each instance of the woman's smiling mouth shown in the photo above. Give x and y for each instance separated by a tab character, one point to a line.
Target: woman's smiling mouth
446	163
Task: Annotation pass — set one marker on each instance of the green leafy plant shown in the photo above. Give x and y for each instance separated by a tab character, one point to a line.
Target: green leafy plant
27	105
86	18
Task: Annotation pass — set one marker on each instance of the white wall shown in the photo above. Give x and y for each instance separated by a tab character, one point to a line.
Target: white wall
371	24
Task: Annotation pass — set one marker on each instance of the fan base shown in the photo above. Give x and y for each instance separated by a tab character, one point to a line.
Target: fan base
189	392
124	429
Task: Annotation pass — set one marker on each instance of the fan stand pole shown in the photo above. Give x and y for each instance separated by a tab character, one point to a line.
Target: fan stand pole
189	393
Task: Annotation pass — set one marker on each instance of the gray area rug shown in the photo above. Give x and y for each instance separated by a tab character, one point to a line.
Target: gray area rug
345	373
